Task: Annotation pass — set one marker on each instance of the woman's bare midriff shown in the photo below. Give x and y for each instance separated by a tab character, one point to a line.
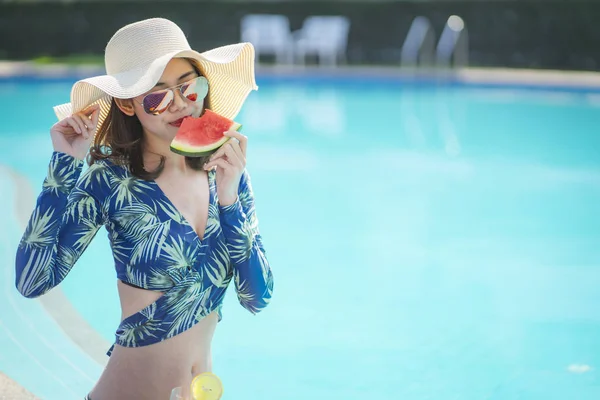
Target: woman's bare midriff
152	372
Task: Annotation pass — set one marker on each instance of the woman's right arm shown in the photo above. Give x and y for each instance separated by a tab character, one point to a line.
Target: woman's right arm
65	220
67	215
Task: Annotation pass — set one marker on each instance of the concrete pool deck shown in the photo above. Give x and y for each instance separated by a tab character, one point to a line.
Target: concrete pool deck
10	390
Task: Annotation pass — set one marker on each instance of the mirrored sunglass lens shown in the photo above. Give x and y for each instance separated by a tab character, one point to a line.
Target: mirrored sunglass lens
195	89
157	102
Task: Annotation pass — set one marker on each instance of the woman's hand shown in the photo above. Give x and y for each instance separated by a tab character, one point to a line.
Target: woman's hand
230	161
73	135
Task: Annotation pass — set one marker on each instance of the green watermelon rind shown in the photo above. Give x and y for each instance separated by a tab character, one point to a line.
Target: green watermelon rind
204	150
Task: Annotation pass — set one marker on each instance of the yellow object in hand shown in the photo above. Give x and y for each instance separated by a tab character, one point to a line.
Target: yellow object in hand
207	386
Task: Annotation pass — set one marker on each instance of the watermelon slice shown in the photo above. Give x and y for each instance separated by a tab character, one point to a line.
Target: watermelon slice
200	137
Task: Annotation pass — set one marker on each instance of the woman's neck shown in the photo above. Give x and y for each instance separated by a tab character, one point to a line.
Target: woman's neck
154	148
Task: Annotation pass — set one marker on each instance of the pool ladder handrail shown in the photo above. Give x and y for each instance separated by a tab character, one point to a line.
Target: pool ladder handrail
453	47
419	44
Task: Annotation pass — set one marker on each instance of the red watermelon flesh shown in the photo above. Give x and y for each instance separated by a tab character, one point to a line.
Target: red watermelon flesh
200	137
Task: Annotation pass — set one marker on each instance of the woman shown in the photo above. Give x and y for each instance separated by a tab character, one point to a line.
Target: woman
180	228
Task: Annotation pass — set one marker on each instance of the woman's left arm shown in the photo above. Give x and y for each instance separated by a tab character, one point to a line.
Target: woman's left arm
252	273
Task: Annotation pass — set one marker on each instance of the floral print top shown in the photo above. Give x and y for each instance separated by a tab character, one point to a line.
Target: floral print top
153	246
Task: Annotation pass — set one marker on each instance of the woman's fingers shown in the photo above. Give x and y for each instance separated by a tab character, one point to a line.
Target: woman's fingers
232	148
234	156
72	122
82	125
219	162
243	140
63	125
90	117
95	116
235	139
219	153
89	120
231	153
235	144
90	110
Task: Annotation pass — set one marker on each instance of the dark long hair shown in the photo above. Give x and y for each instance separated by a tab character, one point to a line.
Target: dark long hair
120	139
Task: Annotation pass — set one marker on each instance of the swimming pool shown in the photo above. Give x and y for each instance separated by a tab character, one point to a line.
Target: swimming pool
428	241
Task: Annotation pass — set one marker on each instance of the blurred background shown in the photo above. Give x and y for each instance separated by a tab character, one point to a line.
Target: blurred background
427	181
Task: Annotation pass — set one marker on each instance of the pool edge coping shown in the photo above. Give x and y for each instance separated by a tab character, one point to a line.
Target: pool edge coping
542	78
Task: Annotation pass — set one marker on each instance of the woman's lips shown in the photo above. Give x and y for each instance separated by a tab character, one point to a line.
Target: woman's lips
177	123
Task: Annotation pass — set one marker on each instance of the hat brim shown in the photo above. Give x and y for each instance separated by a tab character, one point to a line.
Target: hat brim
228	69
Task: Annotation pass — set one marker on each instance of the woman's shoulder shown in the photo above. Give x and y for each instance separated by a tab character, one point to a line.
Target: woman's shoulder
101	175
109	166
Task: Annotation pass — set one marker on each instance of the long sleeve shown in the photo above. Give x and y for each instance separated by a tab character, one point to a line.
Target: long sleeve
252	273
65	220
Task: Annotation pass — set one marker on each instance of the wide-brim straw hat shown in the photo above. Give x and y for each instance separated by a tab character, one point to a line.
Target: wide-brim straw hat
136	56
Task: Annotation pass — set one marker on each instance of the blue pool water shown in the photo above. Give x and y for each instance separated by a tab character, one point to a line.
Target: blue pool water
427	242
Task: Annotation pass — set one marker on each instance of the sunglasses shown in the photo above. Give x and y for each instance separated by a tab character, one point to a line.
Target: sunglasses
158	102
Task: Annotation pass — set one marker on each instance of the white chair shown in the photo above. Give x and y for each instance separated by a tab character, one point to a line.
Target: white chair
269	34
325	36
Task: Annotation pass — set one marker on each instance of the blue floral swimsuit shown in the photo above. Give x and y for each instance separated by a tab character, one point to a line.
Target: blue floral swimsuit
153	246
